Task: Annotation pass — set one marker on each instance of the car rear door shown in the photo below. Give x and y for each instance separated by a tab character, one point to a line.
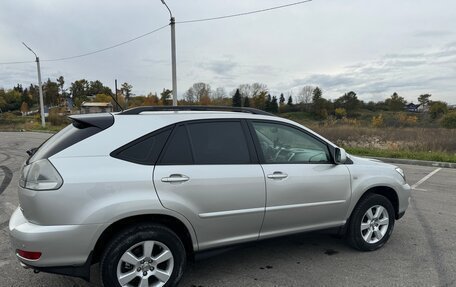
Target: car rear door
305	190
209	172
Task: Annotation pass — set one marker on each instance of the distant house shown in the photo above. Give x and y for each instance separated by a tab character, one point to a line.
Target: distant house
412	108
93	107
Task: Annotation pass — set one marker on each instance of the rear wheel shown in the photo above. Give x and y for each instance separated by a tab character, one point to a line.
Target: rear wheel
371	223
143	256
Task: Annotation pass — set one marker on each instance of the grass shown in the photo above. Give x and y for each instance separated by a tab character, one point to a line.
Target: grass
404	154
357	137
28	123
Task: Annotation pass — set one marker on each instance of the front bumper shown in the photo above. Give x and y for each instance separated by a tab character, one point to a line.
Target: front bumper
404	199
60	245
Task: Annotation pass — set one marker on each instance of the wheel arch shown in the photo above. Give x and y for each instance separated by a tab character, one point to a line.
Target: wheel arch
386	191
176	225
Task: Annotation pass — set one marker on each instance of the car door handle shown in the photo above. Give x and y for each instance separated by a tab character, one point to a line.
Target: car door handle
175	178
277	175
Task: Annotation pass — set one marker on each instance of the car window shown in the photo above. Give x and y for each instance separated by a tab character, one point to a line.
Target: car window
144	150
284	144
178	150
219	143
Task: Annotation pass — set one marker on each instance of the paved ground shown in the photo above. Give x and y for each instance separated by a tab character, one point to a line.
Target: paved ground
421	252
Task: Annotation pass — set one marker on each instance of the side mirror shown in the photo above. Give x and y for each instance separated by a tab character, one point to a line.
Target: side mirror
340	156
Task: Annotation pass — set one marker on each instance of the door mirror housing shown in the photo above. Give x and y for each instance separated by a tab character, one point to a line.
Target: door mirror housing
340	156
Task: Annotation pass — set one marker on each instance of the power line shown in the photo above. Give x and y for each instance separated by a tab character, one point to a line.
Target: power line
107	48
14	63
243	14
89	53
158	29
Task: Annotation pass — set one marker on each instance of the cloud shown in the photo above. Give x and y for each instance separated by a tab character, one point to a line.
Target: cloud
412	72
220	67
432	33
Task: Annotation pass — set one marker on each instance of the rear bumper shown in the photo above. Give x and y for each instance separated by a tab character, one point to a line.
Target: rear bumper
60	245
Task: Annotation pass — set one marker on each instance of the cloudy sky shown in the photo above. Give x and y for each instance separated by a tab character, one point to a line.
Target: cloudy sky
374	48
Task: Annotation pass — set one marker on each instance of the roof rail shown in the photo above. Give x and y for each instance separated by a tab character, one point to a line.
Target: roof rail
138	110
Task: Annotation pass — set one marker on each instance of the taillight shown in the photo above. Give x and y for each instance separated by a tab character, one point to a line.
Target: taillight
40	175
29	255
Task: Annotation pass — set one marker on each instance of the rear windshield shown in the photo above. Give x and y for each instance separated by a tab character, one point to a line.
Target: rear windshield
61	140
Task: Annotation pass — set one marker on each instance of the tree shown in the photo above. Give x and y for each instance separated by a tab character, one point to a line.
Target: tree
97	87
199	92
282	99
24	108
320	105
51	93
246	102
305	96
252	90
126	91
219	97
151	100
11	100
274	105
395	102
237	100
165	97
449	121
290	101
267	104
102	98
349	101
437	109
260	100
424	99
80	91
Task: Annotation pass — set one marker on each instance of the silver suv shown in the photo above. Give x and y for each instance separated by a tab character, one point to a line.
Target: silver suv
143	190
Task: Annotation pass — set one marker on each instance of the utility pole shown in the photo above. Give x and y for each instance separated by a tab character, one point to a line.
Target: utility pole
40	87
115	83
172	23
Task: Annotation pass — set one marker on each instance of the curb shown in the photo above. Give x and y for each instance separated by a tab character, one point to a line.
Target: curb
415	162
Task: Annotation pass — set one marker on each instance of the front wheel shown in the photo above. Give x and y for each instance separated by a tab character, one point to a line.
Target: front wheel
371	223
143	256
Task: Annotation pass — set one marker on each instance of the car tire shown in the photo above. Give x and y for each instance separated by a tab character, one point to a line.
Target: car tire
151	254
371	223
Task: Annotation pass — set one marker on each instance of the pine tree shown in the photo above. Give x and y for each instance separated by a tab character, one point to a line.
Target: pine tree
237	99
246	102
274	105
290	101
267	106
282	99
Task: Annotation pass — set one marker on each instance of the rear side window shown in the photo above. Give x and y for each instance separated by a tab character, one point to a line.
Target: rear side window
144	150
207	143
178	151
219	143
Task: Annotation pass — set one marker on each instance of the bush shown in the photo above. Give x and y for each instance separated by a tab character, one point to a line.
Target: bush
449	121
55	118
7	117
340	113
377	121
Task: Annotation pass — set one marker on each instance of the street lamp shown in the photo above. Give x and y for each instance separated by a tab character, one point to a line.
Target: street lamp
43	123
173	53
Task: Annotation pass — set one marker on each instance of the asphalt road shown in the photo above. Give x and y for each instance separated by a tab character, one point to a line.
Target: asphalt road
421	251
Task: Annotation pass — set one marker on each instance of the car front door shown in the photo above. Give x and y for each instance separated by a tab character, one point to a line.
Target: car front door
209	172
305	190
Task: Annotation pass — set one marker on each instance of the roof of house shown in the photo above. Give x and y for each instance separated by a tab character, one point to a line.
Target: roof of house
95	104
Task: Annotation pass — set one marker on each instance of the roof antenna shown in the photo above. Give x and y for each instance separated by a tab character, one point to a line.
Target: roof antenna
114	99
